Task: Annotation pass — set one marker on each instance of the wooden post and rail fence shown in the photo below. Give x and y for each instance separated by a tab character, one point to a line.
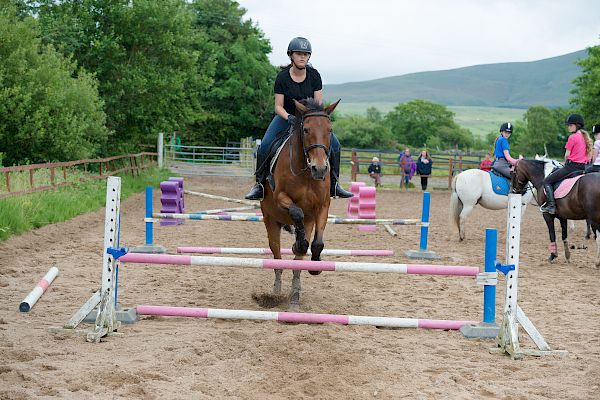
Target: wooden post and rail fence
450	162
80	170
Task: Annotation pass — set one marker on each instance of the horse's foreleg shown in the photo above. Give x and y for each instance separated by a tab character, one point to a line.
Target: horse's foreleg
588	229
300	246
317	245
565	232
274	235
552	246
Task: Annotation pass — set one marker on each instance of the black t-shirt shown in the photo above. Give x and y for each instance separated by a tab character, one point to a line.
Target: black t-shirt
285	85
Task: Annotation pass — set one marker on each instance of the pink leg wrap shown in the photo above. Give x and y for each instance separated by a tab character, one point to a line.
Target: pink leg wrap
552	247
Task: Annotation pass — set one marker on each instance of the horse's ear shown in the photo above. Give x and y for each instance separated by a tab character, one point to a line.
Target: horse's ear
332	107
300	107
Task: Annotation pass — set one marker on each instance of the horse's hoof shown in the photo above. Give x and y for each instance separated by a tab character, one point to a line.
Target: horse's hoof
315	272
552	258
300	250
293	307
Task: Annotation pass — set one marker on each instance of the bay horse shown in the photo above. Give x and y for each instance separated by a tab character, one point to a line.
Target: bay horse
472	187
301	196
582	202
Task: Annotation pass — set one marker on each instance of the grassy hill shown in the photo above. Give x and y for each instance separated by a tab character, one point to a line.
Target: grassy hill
479	120
510	85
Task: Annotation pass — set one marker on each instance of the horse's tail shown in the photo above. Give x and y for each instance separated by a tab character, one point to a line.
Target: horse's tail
456	205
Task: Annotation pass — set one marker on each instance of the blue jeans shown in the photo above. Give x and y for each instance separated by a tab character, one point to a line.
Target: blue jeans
279	125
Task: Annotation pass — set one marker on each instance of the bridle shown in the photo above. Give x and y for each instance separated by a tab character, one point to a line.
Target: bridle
312	146
527	186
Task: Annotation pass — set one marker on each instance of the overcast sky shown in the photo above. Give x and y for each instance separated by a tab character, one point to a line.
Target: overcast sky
363	40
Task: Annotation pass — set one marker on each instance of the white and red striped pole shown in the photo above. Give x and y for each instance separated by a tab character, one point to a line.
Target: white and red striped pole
301	318
414	269
259	250
38	291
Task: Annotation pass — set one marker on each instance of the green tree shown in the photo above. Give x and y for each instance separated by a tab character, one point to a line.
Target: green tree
545	131
239	102
49	110
361	132
421	122
587	86
145	55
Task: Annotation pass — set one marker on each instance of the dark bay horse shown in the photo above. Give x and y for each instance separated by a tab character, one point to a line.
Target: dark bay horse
301	196
582	202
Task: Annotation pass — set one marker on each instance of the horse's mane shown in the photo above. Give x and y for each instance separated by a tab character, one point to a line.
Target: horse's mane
312	104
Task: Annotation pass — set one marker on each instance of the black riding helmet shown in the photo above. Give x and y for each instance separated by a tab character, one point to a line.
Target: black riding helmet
299	44
506	127
596	129
575	119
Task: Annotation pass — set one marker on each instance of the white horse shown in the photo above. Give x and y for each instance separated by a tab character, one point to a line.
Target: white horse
472	187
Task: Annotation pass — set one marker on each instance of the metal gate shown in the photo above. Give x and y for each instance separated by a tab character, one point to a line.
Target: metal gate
210	160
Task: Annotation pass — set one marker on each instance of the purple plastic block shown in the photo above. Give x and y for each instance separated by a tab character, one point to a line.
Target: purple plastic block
170	200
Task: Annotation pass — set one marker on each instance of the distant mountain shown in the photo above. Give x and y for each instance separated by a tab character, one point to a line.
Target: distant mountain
517	84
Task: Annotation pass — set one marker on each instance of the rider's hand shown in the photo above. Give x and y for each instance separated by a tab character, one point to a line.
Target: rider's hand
291	119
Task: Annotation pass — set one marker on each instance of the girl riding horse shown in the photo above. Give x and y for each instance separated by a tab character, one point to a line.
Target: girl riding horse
296	81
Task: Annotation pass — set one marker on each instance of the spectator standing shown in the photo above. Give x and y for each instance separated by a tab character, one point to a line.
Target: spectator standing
486	163
408	167
375	171
424	164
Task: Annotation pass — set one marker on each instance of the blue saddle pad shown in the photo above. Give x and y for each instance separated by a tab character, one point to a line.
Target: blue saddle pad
500	184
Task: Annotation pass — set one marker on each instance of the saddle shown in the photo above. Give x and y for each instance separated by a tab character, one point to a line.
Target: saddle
562	188
273	154
500	183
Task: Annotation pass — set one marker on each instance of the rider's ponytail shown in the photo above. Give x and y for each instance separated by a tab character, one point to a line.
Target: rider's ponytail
589	144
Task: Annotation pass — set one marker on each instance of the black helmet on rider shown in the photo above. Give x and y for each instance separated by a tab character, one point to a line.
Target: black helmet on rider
596	129
506	127
575	119
299	44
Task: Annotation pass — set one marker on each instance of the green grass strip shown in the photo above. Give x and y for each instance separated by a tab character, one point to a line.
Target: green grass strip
24	213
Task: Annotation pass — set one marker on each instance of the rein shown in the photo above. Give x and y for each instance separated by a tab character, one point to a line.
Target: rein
312	146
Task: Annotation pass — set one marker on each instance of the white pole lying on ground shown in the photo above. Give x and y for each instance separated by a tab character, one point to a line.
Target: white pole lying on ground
38	291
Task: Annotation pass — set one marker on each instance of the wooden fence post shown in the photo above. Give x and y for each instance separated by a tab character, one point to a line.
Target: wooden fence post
7	173
450	172
31	178
52	181
402	163
354	168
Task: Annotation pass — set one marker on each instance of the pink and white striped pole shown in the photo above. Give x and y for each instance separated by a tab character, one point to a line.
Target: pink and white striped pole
38	291
413	269
301	318
259	250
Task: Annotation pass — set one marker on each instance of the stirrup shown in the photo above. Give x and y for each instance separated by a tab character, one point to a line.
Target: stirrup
545	209
256	193
342	193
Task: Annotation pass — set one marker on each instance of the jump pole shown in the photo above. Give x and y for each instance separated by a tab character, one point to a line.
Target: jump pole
337	266
259	218
37	292
303	318
258	250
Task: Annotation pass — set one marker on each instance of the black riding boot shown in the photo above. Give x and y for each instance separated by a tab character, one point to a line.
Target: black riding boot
336	190
550	206
262	167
